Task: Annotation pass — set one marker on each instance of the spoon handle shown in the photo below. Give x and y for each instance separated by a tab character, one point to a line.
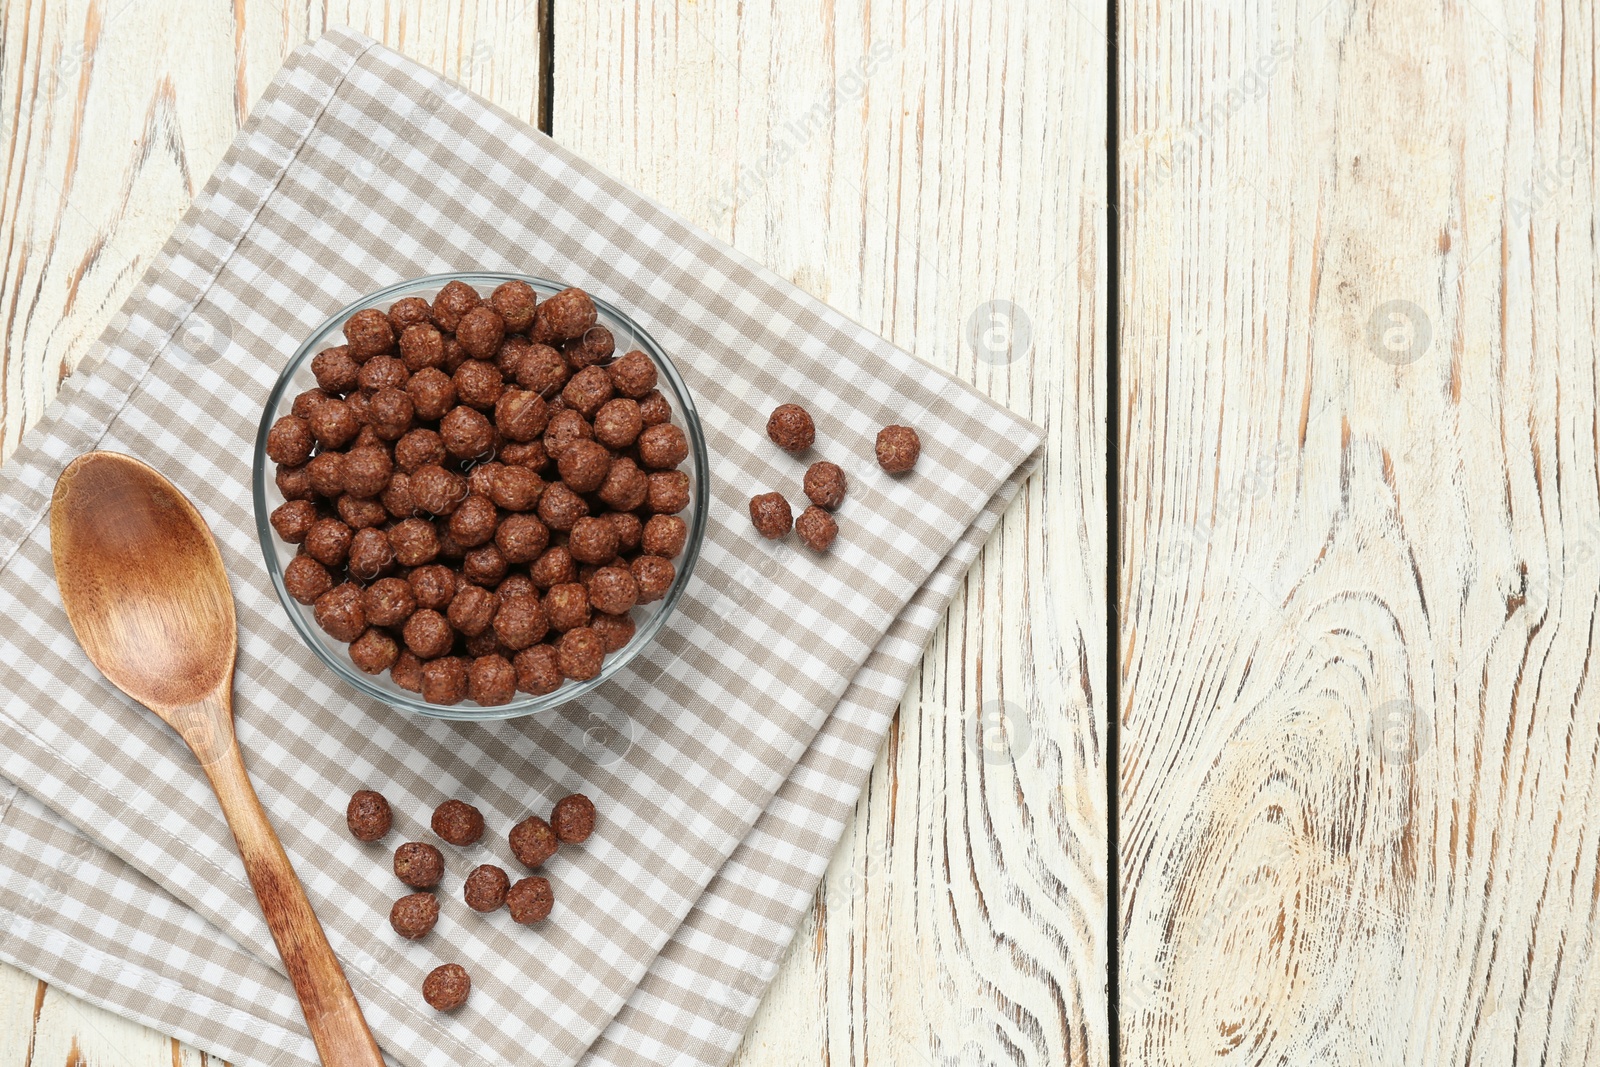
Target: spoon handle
334	1018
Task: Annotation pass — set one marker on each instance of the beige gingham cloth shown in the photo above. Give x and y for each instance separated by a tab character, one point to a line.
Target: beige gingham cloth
724	761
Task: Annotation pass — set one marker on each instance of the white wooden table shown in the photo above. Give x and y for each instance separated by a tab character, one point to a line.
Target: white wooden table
1345	352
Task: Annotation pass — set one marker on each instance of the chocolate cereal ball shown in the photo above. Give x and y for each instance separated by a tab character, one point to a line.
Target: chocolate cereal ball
515	303
480	332
294	483
614	630
478	384
434	586
595	347
628	528
436	490
771	515
529	454
407	672
366	471
538	672
484	565
561	508
428	634
484	644
447	987
825	484
566	606
390	414
306	579
542	370
573	819
406	312
791	428
422	346
553	567
458	822
370	554
454	300
565	427
626	486
584	465
491	679
664	536
654	408
613	590
334	423
432	393
388	602
516	488
326	473
566	315
368	815
306	402
530	900
521	415
521	538
290	441
292	520
654	577
358	513
592	541
467	433
368	333
472	611
533	841
520	622
374	652
816	529
669	492
417	449
444	680
336	372
454	355
580	654
898	448
414	915
415	542
617	423
381	372
473	523
633	375
663	447
418	864
515	585
328	542
480	479
485	888
587	391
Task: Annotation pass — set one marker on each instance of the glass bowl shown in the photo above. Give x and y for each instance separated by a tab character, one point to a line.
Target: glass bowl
648	618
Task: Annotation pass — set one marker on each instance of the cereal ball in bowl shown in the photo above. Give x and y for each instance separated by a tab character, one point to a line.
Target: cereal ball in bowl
440	455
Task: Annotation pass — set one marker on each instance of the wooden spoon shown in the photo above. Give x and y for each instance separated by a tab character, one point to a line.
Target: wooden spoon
147	595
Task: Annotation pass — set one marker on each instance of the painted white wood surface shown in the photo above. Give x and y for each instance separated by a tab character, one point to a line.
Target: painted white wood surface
1360	756
907	163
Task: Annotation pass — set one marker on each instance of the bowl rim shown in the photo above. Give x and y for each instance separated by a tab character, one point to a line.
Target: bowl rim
568	691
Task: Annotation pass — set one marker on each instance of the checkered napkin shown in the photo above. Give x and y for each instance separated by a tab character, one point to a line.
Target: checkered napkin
724	760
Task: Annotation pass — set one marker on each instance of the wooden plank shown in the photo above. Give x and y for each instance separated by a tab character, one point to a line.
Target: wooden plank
113	113
1359	756
908	162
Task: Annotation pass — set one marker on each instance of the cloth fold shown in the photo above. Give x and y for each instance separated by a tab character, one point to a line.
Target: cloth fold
724	760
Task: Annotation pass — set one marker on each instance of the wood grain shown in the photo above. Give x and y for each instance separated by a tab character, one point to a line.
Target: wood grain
907	162
1359	756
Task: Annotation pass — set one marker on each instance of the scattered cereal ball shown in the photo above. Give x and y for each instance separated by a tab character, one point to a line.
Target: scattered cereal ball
628	528
380	372
418	864
406	312
472	610
454	300
515	585
584	465
436	490
825	484
613	591
292	519
633	375
370	554
521	415
458	822
334	423
366	471
467	433
573	819
791	428
522	538
473	523
516	488
542	370
478	384
520	621
566	315
421	347
771	515
414	915
290	441
294	483
669	492
432	393
485	888
427	633
587	391
328	542
515	302
359	513
419	448
368	815
407	672
447	987
816	529
391	414
326	474
306	402
654	577
626	486
615	630
561	508
538	672
664	536
580	654
484	565
480	332
654	408
434	586
593	348
444	680
336	372
898	448
533	841
617	423
530	900
388	602
592	541
663	447
564	429
374	652
553	567
491	679
566	606
369	334
306	579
